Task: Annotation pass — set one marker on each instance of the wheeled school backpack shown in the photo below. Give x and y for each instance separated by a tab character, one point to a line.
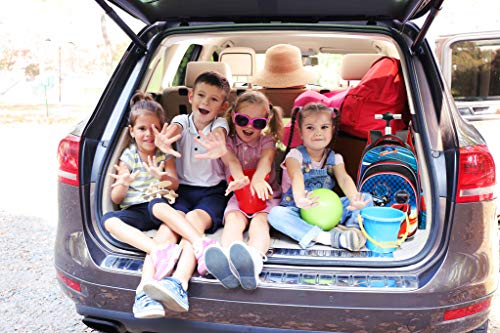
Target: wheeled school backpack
388	170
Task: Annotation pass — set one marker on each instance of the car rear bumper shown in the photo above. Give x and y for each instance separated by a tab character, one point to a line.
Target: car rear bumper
273	318
110	309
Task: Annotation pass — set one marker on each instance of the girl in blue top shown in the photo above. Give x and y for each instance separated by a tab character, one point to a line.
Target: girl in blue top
314	165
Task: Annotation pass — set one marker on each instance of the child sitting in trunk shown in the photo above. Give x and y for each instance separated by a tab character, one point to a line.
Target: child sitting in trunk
314	165
254	128
202	185
142	165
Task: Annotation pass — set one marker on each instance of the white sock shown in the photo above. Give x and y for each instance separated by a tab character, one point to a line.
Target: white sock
324	238
342	241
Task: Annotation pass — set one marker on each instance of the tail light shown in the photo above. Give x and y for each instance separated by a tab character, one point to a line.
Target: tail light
69	282
67	155
467	311
476	175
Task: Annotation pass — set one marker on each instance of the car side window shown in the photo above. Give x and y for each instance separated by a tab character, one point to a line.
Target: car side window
476	70
192	54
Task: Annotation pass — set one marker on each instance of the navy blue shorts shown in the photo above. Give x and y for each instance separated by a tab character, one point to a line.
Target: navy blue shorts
209	199
138	216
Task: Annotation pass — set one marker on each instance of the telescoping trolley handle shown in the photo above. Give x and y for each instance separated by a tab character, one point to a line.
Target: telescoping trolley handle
388	116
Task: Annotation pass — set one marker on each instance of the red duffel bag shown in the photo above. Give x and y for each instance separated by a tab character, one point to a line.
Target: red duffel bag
382	89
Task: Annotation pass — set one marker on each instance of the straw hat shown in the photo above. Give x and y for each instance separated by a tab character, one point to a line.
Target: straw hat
283	68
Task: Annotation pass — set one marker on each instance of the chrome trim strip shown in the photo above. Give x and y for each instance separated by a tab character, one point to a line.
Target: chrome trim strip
293	279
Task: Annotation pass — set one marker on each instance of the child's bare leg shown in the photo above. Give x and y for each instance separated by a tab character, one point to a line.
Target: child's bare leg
258	233
176	221
200	221
234	226
163	236
128	234
186	264
171	290
148	271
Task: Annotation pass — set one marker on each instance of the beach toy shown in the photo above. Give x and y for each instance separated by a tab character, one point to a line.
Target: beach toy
247	202
327	213
381	226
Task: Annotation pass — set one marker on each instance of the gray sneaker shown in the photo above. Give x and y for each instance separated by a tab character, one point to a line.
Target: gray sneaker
247	263
146	307
218	265
169	291
353	239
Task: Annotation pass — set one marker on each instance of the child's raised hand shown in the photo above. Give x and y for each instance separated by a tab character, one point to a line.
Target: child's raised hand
308	201
157	171
237	184
164	141
261	188
214	143
358	202
124	177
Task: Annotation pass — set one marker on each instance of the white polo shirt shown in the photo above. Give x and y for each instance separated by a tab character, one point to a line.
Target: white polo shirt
192	171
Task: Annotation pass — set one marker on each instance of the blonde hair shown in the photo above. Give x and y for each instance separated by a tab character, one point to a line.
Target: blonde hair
274	127
142	103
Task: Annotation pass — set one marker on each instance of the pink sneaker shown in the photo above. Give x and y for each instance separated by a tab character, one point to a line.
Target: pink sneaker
164	260
199	253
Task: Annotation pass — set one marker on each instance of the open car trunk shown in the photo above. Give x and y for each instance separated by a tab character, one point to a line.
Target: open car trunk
329	49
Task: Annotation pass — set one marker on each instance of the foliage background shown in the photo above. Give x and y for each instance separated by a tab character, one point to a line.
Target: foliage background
56	56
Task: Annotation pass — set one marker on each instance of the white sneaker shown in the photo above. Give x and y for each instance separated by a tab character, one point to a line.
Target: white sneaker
248	264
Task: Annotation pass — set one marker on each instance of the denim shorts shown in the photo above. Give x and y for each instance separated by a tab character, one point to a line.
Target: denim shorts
209	199
138	216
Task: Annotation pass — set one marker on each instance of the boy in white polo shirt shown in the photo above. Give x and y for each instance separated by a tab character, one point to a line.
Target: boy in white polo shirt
202	185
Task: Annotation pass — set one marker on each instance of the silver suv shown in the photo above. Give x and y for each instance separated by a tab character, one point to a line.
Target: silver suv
442	279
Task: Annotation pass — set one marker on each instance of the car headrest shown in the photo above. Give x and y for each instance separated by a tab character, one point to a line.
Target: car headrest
355	65
241	60
195	68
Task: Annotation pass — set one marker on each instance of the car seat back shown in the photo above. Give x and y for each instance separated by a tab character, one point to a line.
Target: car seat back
241	61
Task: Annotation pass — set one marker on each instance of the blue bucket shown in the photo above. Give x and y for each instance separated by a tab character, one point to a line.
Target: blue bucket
380	225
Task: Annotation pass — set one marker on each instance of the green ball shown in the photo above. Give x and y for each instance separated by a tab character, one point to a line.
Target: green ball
327	213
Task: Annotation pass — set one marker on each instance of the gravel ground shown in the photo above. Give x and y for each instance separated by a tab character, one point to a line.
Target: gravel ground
30	297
